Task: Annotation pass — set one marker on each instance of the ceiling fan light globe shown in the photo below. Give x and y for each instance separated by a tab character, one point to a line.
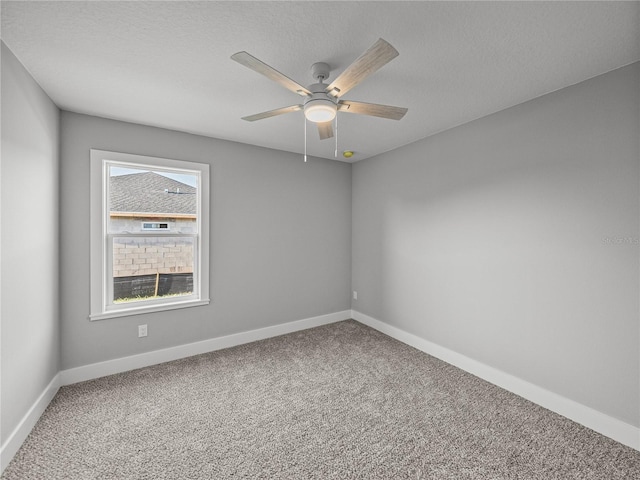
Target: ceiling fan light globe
320	110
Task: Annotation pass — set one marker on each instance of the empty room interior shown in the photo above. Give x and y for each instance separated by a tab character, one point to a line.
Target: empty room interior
320	240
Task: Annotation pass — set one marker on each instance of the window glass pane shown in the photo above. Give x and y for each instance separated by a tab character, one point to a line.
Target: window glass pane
152	200
145	268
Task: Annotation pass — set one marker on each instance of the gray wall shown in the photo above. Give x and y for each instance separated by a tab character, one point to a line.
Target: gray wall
29	256
514	241
280	240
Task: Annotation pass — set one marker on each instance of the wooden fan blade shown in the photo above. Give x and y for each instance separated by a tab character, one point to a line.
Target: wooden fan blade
374	109
272	113
378	55
325	129
244	58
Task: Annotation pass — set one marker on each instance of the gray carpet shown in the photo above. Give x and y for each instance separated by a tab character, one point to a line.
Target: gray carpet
340	401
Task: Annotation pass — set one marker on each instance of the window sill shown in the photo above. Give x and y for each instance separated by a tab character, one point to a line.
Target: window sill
147	309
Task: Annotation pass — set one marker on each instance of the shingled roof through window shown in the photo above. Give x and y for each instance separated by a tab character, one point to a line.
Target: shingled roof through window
150	192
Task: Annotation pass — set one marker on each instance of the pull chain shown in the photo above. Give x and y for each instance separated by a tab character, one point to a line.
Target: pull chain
336	152
305	138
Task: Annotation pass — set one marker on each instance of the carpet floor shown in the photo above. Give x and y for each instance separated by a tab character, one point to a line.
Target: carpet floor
341	401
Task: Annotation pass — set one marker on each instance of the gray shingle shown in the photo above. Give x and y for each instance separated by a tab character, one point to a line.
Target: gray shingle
149	192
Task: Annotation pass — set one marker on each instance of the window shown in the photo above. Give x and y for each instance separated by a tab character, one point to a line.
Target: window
149	234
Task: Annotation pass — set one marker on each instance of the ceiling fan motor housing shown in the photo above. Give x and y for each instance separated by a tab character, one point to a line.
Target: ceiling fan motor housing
319	107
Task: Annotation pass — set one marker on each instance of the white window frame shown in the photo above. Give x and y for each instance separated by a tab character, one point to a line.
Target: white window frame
101	265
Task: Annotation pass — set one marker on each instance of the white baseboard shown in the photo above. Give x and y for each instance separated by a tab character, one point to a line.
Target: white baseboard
20	433
611	427
118	365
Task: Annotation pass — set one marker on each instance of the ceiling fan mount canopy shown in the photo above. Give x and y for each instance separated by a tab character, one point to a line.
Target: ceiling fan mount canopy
322	102
320	71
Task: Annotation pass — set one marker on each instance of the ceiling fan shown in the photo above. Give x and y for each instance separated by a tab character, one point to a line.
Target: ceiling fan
322	101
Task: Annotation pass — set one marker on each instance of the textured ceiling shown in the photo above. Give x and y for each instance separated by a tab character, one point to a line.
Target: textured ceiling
167	63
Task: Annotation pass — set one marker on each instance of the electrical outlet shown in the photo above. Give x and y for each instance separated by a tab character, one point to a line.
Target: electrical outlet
142	330
355	295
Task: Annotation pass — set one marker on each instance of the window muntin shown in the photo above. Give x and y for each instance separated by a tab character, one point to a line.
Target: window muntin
153	234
